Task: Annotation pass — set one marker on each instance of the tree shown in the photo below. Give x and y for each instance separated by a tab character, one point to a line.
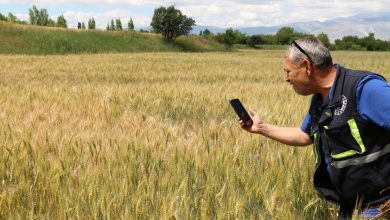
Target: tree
207	32
79	25
255	40
83	26
91	24
2	17
366	43
269	39
171	23
43	17
228	38
231	37
112	26
369	42
34	15
130	25
39	17
324	39
118	25
285	35
348	43
11	17
51	23
61	21
240	37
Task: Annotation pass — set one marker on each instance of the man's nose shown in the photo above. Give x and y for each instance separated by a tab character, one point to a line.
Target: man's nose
286	77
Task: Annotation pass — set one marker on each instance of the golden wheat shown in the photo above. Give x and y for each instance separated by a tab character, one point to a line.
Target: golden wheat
151	136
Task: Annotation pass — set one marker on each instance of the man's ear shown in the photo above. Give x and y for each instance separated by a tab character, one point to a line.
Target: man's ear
308	66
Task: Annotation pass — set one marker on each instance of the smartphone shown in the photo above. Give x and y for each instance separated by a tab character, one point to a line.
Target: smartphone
241	111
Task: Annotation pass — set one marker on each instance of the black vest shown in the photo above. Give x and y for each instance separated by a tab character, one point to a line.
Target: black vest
359	150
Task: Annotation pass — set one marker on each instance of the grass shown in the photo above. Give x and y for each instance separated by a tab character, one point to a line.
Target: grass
152	136
27	39
196	43
272	47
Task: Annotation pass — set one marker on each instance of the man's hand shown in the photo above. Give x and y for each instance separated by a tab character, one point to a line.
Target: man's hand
293	136
254	127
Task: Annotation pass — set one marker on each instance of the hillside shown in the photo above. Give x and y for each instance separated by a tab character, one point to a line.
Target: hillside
358	25
27	39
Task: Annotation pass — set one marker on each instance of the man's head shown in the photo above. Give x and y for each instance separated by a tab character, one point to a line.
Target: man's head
303	59
315	50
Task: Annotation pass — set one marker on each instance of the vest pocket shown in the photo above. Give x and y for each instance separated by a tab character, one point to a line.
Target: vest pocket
345	140
359	182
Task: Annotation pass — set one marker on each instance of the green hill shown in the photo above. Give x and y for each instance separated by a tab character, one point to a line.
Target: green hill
28	39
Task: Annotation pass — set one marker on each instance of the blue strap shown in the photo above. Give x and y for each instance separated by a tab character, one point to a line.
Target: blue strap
369	213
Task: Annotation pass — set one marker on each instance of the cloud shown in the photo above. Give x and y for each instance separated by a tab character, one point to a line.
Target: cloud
223	13
239	13
103	3
231	14
102	19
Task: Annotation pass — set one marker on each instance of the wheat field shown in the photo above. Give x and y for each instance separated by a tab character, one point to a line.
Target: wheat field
152	136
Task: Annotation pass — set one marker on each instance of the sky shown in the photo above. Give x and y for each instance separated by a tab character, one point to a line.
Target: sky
219	13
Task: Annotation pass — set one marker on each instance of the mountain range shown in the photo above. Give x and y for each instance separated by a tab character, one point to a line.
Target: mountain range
358	25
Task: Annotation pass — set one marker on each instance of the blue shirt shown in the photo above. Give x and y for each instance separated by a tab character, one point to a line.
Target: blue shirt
372	103
372	100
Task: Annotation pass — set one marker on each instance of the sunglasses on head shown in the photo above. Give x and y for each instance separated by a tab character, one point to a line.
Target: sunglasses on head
302	50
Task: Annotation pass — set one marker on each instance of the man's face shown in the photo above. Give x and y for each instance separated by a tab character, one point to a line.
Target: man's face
298	77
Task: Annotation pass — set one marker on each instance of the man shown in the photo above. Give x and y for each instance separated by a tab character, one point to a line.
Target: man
348	123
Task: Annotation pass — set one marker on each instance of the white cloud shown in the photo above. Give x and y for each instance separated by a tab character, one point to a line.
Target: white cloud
223	13
238	13
231	14
102	19
83	2
23	17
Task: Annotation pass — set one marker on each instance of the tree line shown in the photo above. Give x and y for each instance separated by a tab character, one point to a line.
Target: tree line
117	26
168	21
283	36
172	23
286	35
91	24
40	17
11	18
369	43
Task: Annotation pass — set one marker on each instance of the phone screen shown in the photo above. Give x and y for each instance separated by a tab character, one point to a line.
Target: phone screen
241	111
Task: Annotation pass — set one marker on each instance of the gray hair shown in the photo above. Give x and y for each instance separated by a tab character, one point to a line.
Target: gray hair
317	51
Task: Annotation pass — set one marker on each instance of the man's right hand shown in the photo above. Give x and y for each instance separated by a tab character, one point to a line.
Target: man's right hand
293	136
256	126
